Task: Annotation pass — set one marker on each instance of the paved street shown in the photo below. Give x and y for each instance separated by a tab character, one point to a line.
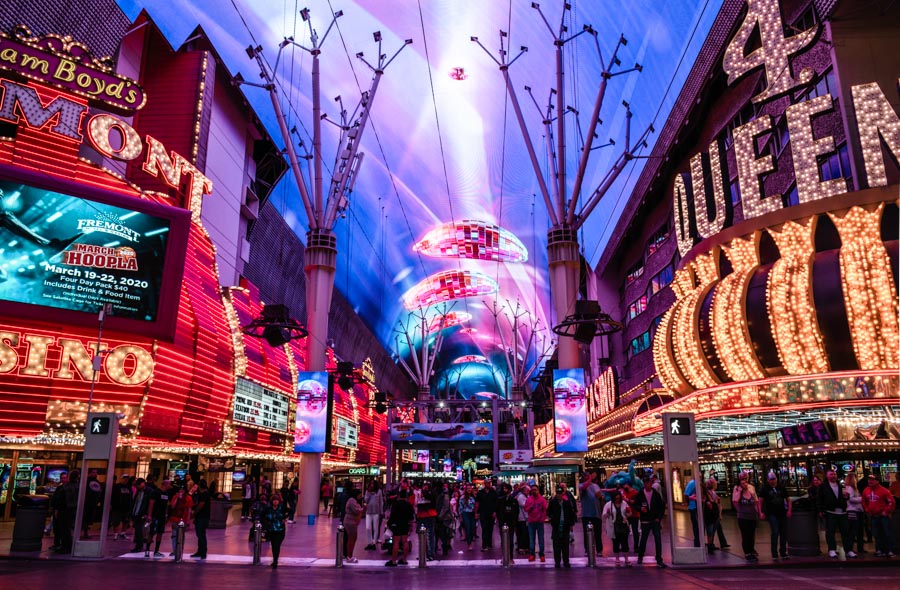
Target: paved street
115	573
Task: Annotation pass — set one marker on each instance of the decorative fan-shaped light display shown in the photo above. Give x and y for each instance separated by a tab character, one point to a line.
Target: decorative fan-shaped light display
471	239
448	285
453	318
471	358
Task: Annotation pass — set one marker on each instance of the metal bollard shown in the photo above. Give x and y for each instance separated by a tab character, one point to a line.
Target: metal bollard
504	546
257	543
423	546
179	542
339	547
592	557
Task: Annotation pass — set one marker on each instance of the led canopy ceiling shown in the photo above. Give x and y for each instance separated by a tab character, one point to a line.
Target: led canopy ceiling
448	320
471	239
449	285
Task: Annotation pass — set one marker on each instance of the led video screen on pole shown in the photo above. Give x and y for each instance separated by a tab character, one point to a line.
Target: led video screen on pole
76	254
569	411
312	432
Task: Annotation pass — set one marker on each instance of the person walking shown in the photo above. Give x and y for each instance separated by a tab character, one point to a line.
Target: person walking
139	511
248	498
399	521
325	493
274	517
68	512
58	505
120	507
202	512
374	501
486	507
776	507
615	522
879	504
157	510
591	507
832	502
562	519
536	513
746	503
712	512
466	507
179	511
353	512
651	509
856	514
690	492
445	520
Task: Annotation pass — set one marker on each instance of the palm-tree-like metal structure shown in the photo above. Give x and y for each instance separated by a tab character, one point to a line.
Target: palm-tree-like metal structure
322	204
562	205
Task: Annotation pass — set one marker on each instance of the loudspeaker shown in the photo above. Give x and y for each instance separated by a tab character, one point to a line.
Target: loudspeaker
585	332
585	308
277	336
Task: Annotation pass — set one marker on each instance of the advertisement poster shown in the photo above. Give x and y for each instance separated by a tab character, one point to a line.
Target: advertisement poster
311	432
569	411
69	253
448	432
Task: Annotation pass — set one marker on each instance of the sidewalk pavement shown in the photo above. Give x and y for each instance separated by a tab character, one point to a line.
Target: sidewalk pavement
314	546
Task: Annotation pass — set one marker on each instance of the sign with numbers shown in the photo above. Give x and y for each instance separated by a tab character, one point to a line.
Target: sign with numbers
260	407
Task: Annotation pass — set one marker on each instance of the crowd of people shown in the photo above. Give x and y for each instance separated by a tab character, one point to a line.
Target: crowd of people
857	509
451	512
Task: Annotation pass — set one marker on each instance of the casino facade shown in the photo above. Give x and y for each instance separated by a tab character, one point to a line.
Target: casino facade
120	193
756	265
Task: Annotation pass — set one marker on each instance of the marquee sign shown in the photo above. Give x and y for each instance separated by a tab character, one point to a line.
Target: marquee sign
707	179
70	66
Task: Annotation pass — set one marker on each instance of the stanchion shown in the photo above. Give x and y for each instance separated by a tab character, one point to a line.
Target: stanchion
591	555
423	546
339	547
257	543
504	546
179	541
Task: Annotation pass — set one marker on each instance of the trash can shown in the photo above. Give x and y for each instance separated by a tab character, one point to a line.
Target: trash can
218	513
803	529
31	517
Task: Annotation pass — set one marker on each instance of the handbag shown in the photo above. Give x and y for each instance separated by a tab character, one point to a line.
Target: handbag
620	526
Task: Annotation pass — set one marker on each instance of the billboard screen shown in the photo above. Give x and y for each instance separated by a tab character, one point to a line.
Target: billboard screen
311	430
569	411
260	407
449	432
78	253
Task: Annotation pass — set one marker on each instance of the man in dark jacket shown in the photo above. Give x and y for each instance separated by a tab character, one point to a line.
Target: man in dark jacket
486	507
139	513
832	502
562	519
58	504
776	506
650	507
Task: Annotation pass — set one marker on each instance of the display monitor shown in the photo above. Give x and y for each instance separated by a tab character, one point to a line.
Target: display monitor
569	411
312	428
76	250
238	476
54	475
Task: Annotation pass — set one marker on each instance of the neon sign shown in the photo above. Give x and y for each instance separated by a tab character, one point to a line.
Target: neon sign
707	179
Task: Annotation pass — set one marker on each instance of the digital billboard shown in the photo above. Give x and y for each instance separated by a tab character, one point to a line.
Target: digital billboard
260	407
311	432
77	254
450	432
569	411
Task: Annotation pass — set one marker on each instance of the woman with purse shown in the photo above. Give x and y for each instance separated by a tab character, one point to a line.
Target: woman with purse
746	503
353	512
273	518
712	512
615	520
855	513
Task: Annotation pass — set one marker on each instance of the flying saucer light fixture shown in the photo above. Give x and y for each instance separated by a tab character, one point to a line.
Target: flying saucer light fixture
448	320
471	358
475	240
447	286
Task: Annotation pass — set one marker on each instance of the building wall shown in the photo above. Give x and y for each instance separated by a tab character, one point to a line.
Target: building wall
849	52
